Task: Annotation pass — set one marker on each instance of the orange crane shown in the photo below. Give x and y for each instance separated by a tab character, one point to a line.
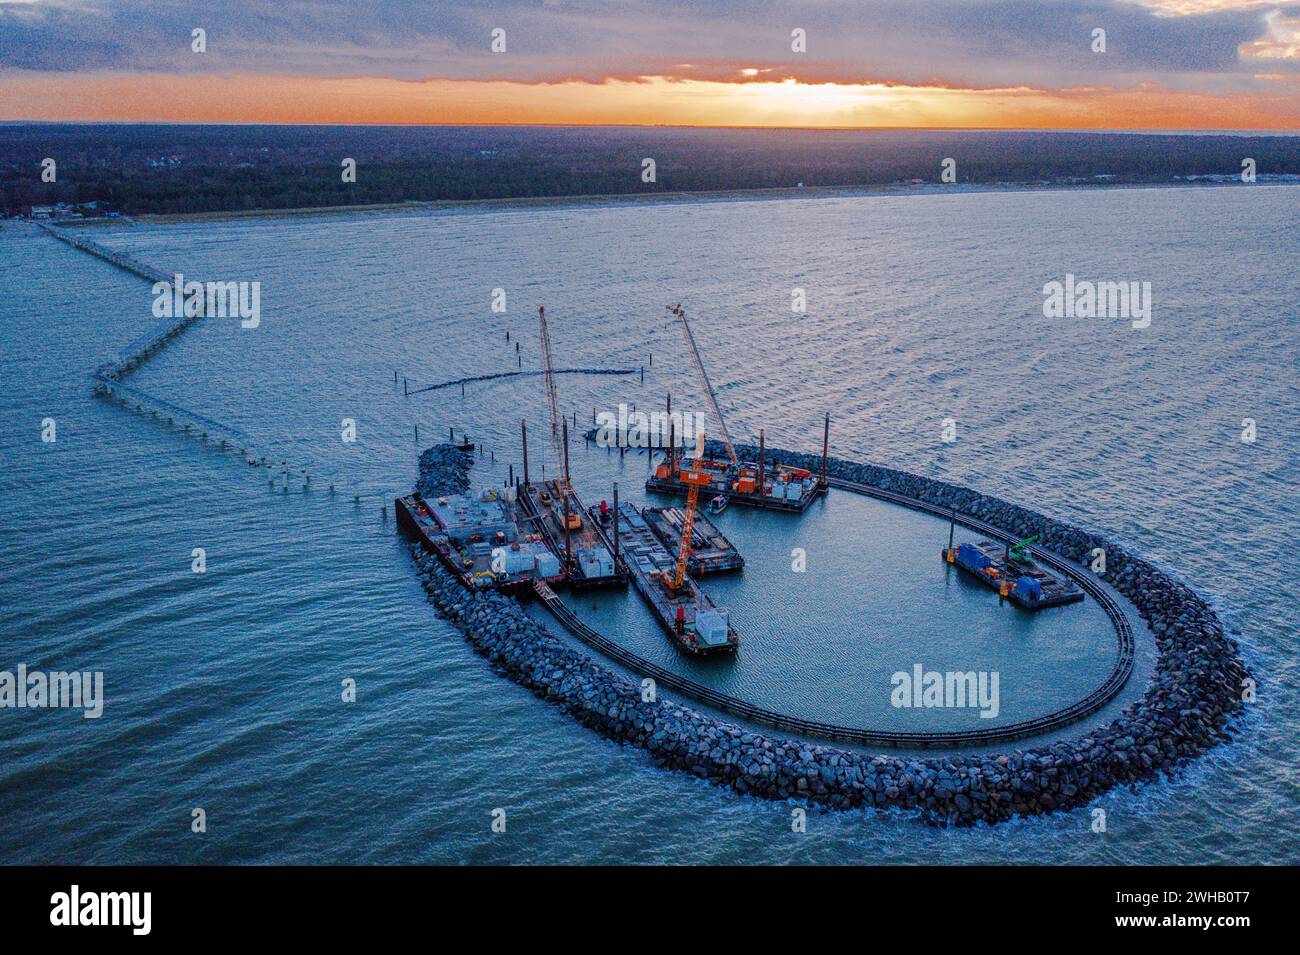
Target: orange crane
694	478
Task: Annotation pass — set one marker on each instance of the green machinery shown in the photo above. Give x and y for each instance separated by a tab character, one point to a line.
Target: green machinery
1019	550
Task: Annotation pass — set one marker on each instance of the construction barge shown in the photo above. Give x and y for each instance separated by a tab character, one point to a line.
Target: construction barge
778	487
687	615
480	540
710	552
1008	569
579	546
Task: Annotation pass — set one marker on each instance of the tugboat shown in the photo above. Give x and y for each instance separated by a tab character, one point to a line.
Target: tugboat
718	504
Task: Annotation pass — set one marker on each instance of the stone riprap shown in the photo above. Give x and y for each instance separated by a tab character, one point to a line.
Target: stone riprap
1196	687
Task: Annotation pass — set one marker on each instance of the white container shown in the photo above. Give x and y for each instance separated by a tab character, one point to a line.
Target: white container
711	627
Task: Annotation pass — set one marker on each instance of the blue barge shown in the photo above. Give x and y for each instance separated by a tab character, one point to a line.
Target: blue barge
1015	578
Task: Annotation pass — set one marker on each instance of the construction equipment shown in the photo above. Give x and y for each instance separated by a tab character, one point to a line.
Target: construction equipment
553	403
1017	551
693	478
680	314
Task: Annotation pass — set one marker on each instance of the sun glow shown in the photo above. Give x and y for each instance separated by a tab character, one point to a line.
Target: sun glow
652	100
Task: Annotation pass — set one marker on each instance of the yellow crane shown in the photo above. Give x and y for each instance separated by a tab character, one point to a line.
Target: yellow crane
694	477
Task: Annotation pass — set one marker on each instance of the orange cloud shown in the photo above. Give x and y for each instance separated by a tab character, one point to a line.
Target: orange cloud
647	101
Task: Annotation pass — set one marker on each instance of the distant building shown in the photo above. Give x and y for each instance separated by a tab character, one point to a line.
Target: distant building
42	212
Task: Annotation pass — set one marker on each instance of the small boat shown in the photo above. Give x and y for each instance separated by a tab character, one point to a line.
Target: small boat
718	504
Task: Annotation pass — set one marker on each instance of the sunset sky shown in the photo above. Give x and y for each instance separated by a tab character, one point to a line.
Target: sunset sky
1168	64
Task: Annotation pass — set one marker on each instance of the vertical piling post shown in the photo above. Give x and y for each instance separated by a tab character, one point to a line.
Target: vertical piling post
417	432
565	476
672	447
523	429
563	485
404	391
952	526
672	435
826	447
616	565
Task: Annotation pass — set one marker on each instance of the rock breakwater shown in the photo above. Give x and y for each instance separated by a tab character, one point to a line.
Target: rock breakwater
1186	709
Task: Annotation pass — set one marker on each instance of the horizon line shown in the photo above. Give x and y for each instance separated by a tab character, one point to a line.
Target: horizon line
1100	130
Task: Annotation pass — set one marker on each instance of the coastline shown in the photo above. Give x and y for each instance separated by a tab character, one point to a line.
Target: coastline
652	198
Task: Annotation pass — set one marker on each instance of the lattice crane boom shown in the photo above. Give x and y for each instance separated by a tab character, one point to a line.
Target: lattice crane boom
553	403
680	313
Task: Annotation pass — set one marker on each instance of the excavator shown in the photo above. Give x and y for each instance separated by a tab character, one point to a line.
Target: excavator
1019	550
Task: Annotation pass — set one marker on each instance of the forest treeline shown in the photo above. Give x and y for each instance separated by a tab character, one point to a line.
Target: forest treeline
183	169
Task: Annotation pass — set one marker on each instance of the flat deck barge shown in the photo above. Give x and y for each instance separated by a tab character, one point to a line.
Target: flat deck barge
689	617
593	561
778	489
1019	580
711	552
479	541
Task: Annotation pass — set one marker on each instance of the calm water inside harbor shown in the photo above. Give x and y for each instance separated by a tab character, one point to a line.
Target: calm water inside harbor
222	689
